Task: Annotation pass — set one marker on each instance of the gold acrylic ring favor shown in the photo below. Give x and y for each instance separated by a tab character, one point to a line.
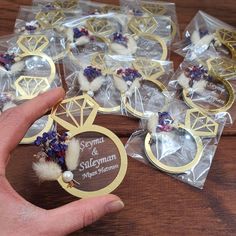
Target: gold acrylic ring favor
28	87
226	107
150	70
86	125
194	126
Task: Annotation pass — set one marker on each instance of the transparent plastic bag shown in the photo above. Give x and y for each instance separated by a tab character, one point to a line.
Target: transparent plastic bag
154	8
32	19
180	151
110	33
118	93
26	70
207	83
204	32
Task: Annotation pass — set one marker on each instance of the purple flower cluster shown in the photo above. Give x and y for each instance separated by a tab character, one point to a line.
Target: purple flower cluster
49	7
30	28
92	73
120	39
137	12
203	32
129	74
197	73
165	121
80	32
53	145
7	60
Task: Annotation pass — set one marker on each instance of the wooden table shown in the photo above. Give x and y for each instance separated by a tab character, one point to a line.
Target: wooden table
156	204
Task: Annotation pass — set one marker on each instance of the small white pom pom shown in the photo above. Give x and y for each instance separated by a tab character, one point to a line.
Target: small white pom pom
183	81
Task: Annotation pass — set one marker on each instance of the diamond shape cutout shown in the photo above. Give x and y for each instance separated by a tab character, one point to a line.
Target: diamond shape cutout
143	24
69	4
29	86
75	113
200	124
222	67
153	8
50	19
148	68
32	43
100	26
228	38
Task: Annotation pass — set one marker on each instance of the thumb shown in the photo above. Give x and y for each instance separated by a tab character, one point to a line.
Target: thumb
78	214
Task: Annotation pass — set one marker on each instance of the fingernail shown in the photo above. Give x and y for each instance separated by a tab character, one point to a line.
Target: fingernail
115	206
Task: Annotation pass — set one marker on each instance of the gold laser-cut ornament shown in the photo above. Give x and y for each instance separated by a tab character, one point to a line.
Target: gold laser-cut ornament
28	87
198	125
155	9
227	85
80	104
150	71
100	26
227	38
139	25
68	4
222	67
110	8
50	19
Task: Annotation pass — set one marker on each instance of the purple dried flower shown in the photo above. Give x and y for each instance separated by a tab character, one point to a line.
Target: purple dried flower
129	74
92	73
196	73
80	32
165	121
7	60
120	39
53	145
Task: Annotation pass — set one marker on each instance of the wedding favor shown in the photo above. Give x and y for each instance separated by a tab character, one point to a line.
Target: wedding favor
89	160
179	141
26	69
109	33
122	85
207	83
153	8
206	31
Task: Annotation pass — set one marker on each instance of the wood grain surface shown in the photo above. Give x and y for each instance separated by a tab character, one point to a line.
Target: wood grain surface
156	204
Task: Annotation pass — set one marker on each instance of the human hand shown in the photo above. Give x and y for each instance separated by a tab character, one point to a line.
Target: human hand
19	217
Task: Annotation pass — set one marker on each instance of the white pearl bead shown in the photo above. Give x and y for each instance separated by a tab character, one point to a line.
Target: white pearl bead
90	93
67	176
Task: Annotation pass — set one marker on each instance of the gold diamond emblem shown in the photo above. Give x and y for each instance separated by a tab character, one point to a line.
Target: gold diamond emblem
153	8
143	24
228	38
29	87
32	43
222	67
75	113
69	4
50	19
148	68
100	26
200	124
